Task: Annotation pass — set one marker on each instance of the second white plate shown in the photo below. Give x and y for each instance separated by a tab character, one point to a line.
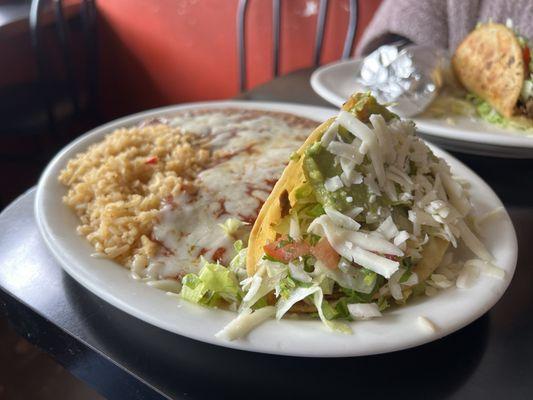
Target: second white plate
450	310
335	82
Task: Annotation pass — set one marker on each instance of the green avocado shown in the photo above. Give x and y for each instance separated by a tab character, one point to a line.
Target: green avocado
319	164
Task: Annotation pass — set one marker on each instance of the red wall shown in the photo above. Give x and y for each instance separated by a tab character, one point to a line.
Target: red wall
170	51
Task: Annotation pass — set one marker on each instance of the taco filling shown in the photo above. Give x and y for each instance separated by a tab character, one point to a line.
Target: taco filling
360	219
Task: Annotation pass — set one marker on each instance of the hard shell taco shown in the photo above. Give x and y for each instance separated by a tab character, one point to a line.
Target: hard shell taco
360	219
494	63
363	213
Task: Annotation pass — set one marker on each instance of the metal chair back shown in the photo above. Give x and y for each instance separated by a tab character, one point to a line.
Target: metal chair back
276	30
88	14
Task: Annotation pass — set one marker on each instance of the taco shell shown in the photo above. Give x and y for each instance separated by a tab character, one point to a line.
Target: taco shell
489	63
432	255
270	214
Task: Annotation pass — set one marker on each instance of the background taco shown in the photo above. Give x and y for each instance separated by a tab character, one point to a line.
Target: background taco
493	63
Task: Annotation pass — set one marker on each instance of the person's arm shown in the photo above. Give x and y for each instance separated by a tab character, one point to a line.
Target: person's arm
388	38
416	21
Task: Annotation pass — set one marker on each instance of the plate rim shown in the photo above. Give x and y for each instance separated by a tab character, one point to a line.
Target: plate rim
110	298
515	140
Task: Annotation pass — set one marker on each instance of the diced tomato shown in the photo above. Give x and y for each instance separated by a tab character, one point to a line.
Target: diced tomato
527	56
218	254
325	253
285	250
151	160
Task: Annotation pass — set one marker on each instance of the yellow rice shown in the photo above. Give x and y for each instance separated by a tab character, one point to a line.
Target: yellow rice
116	187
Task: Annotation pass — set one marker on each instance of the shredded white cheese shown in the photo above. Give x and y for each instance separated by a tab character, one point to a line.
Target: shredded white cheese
426	325
388	228
341	220
363	311
467	277
294	227
333	184
486	268
245	322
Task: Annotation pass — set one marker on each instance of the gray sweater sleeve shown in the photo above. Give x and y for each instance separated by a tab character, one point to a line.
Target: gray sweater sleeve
419	21
441	23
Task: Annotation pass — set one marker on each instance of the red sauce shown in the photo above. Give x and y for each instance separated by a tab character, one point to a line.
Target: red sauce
218	254
222	208
169	200
247	218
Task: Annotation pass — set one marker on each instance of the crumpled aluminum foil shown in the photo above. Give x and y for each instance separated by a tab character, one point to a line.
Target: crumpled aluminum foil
409	79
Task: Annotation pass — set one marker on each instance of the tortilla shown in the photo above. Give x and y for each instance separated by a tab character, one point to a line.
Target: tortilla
489	63
271	211
432	254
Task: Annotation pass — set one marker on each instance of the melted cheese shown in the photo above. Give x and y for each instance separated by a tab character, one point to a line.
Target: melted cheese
257	150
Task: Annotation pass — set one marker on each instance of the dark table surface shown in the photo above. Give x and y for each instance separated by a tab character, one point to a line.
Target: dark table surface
125	358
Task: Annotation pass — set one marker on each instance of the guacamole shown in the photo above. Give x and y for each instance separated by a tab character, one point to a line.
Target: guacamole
319	164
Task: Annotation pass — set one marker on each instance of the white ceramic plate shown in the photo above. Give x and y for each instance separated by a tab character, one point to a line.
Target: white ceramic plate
337	81
449	310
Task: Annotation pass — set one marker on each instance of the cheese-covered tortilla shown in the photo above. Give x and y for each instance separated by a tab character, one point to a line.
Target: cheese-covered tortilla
252	149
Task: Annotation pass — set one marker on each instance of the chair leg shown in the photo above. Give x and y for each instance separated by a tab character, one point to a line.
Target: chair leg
35	35
241	42
64	41
91	46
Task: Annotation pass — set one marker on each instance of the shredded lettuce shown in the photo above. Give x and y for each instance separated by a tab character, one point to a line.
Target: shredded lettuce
383	304
327	284
285	287
455	104
370	278
231	226
329	312
347	276
306	206
297	272
335	326
238	245
293	297
489	114
325	311
214	282
485	110
238	263
219	279
193	289
271	273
